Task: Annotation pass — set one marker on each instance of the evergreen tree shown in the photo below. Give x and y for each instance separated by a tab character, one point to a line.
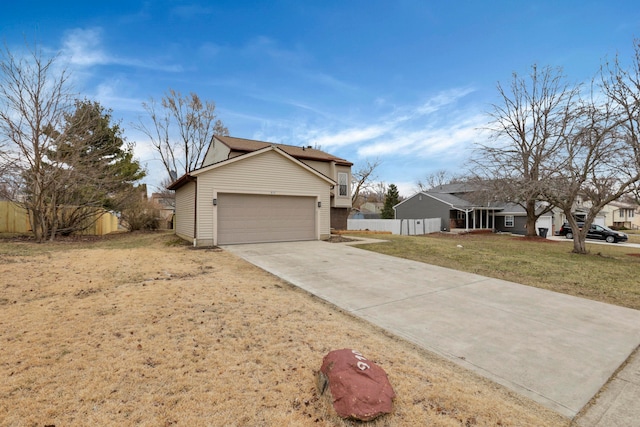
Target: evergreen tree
91	168
391	199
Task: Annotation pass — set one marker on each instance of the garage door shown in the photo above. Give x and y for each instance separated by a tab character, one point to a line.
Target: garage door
246	218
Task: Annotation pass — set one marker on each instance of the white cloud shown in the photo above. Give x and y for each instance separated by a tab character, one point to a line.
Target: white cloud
427	128
84	47
448	138
108	93
351	136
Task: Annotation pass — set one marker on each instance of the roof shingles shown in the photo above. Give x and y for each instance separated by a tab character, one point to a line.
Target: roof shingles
305	152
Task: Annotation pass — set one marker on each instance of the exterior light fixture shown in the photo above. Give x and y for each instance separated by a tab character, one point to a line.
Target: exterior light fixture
319	204
215	202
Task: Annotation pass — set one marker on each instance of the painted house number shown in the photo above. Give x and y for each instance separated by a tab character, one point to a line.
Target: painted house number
361	365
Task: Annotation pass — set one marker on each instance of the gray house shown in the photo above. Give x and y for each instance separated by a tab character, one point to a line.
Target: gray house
457	207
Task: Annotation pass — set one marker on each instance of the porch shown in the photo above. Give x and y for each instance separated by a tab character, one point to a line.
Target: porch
477	218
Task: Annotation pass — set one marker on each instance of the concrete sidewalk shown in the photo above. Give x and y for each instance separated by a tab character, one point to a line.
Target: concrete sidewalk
553	348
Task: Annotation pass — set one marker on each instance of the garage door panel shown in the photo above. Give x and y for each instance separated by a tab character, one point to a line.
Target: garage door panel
246	218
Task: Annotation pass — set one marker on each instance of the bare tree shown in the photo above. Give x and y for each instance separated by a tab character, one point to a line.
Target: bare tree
436	179
528	127
362	179
600	161
33	97
195	123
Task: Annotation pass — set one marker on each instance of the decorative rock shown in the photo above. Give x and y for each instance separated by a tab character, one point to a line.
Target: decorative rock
358	387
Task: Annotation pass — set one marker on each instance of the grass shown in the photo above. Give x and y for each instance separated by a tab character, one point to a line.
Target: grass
142	330
609	273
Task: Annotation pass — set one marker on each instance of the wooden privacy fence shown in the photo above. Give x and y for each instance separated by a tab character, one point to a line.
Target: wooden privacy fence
409	227
14	219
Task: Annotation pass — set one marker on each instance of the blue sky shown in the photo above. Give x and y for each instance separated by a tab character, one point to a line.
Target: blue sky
407	82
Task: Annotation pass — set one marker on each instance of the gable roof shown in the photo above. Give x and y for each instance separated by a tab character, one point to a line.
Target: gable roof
191	176
446	198
303	153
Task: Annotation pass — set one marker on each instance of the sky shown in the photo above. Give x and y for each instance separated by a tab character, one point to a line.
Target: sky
408	83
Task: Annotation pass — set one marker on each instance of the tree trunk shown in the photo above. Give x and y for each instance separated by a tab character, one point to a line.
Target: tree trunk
579	243
531	218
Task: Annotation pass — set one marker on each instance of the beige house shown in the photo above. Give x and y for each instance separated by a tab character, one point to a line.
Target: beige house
252	191
622	215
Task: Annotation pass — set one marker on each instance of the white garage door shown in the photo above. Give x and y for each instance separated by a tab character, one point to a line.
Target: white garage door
253	218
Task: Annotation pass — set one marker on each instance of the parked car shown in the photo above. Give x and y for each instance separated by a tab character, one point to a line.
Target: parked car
595	232
566	229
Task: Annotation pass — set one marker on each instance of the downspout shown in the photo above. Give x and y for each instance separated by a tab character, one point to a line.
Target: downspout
195	214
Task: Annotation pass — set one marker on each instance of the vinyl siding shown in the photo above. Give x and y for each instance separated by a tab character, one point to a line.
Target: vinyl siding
185	210
322	167
342	201
217	153
266	173
331	170
422	206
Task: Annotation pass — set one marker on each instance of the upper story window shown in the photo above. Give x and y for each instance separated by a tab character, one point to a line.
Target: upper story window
343	184
630	213
621	213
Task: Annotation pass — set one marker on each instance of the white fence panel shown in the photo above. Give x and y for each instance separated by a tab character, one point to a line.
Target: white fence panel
409	227
392	225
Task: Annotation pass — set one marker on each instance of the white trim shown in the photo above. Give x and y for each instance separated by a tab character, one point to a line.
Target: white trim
513	221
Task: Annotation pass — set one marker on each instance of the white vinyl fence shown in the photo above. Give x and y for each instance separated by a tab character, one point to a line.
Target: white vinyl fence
410	227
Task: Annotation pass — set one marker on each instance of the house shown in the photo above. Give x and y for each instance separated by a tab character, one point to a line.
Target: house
368	210
468	206
622	215
459	206
165	203
249	191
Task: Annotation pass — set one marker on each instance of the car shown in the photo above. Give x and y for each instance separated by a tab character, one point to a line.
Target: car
566	229
595	232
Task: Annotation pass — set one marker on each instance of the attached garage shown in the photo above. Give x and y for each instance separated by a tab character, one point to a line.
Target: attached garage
258	218
263	196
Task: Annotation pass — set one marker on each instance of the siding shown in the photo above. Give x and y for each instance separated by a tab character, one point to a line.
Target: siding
428	207
331	170
185	211
217	153
345	201
322	167
265	173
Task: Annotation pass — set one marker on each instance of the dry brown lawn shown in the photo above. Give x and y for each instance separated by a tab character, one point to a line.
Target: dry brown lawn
135	330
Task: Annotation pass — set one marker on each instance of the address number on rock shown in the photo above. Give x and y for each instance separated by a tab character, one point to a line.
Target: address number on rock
361	365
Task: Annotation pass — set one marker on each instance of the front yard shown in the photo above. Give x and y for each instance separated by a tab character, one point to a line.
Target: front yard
139	329
609	273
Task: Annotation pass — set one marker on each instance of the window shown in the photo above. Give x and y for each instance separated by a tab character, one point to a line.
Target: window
343	184
630	213
621	213
508	221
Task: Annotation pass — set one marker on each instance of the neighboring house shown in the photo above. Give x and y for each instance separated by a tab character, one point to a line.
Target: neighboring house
253	191
165	203
455	206
368	210
622	215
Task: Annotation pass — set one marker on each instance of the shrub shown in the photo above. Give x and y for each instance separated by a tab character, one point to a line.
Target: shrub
142	215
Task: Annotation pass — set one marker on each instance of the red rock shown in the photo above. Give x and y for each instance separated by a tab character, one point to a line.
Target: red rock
359	388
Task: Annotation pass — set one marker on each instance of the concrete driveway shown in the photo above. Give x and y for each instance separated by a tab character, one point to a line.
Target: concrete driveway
553	348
